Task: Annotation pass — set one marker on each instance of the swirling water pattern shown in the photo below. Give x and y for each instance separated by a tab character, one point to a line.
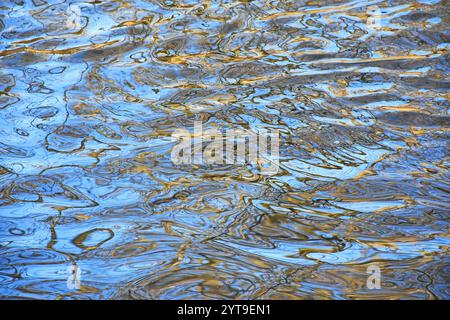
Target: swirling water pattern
88	103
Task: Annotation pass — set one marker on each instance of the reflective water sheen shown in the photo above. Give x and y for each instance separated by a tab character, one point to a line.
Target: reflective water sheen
88	106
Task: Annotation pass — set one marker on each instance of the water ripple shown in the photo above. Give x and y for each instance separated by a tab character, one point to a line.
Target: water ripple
90	93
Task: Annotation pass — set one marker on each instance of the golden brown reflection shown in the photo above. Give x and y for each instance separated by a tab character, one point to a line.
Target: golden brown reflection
91	92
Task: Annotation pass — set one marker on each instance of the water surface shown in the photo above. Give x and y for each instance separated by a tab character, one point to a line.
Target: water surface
358	89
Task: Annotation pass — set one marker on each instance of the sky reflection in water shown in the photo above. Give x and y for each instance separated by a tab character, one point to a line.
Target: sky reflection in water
88	106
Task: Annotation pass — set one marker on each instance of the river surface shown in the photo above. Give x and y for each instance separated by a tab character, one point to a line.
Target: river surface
92	207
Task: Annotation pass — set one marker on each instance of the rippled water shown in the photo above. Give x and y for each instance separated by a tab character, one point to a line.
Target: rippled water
88	104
